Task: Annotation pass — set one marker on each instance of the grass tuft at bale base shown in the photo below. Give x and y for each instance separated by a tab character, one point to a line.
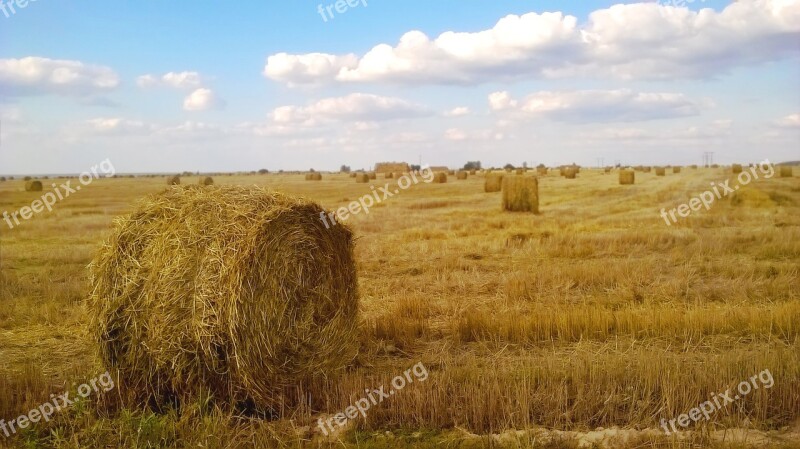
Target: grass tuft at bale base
237	292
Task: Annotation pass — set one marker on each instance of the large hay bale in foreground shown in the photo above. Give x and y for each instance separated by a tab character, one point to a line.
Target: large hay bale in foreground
207	181
627	177
33	186
173	180
315	176
736	168
362	178
237	292
521	194
440	178
493	183
661	171
461	175
786	171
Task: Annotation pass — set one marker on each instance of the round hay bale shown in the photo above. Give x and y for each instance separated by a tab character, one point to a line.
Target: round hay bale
440	177
173	180
786	171
2	179
315	176
353	175
676	170
661	171
451	172
627	177
389	175
737	168
373	175
362	178
493	182
239	292
541	171
693	166
33	186
207	181
27	178
520	171
462	175
472	172
521	194
571	173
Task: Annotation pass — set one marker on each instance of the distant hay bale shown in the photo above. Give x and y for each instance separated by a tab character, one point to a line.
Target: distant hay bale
353	175
2	179
389	175
451	172
541	171
520	171
173	180
736	168
570	172
33	186
661	171
521	194
627	177
694	166
362	178
473	172
235	292
647	169
461	175
373	175
27	178
676	169
440	178
786	171
493	182
607	170
315	176
207	181
391	167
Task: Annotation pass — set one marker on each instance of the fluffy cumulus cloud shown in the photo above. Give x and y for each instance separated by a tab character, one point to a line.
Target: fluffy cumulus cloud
202	100
354	107
623	105
37	76
177	80
626	41
790	121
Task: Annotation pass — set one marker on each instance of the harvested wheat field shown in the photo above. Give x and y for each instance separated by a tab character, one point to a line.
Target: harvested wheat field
355	224
591	321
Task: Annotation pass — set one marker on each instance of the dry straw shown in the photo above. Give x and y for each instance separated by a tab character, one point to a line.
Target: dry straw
521	194
239	292
173	180
493	183
737	168
786	171
570	172
440	178
315	176
33	186
207	181
627	177
462	175
661	171
362	178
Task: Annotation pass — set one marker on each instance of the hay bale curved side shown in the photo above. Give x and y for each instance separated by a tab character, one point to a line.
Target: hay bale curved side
33	186
236	291
173	180
206	181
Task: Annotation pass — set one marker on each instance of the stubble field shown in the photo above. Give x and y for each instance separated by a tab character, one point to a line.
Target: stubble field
586	324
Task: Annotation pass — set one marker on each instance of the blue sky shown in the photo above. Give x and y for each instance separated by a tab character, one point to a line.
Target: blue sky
180	85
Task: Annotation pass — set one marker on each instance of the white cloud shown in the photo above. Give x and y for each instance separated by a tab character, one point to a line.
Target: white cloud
177	80
790	121
460	111
353	107
623	105
626	41
117	126
202	100
36	76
